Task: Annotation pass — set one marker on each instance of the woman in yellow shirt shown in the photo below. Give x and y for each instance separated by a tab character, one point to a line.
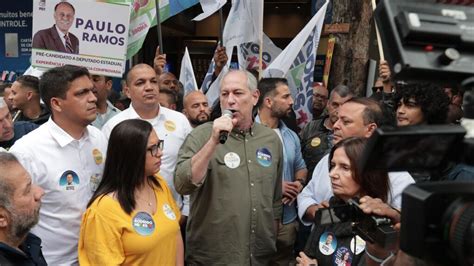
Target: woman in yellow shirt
132	218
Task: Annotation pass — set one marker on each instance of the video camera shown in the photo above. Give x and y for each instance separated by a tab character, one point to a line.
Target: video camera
437	222
371	228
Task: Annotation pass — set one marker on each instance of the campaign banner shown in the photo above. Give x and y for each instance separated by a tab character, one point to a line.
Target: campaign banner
249	53
15	36
78	33
296	63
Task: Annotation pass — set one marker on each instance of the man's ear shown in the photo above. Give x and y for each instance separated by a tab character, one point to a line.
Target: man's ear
109	84
56	104
29	95
370	129
126	90
4	218
255	95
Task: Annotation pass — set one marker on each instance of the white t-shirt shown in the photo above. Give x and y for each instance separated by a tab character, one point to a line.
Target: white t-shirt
172	127
69	171
319	188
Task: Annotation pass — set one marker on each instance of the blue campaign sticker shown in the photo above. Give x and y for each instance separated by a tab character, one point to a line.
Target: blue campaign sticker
327	243
143	224
69	179
264	157
342	257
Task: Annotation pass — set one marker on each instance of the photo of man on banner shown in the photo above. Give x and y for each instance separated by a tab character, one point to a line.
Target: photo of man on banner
58	38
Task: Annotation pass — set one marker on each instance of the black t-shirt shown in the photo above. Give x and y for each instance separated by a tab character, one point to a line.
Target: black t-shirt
31	255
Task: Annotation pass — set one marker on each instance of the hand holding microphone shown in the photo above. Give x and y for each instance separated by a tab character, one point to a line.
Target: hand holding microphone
223	125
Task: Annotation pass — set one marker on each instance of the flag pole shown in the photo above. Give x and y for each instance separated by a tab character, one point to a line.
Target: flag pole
158	25
221	30
377	33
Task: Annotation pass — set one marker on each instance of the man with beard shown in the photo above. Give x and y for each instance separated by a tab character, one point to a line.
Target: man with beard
196	108
65	144
20	202
320	99
58	38
275	103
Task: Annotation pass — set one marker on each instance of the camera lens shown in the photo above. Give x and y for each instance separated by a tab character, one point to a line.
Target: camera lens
459	230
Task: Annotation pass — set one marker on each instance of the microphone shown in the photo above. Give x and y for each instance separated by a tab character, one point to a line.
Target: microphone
223	134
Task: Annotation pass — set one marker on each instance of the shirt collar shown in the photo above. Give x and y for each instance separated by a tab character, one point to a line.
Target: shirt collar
61	136
161	113
60	33
281	125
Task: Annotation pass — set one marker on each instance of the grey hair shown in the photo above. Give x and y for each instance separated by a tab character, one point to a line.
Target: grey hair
342	90
251	79
6	160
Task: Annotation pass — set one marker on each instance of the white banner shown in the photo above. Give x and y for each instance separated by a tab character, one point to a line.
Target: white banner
78	33
209	7
244	23
186	75
249	53
296	63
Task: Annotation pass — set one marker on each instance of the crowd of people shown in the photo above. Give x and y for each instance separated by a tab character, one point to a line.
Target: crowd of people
159	180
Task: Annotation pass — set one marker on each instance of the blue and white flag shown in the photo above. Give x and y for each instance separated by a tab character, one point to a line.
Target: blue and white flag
244	24
296	63
186	75
209	7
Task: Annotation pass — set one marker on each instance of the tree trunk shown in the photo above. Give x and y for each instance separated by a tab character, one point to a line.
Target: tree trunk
351	51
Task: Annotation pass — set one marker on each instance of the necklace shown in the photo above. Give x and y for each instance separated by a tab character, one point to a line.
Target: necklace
148	199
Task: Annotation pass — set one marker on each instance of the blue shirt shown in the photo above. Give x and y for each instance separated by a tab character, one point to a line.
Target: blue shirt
293	161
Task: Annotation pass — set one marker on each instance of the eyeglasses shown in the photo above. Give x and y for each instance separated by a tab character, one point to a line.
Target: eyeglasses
377	88
320	96
154	148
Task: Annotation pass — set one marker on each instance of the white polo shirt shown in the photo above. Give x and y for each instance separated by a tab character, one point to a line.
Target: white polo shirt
172	127
319	188
69	171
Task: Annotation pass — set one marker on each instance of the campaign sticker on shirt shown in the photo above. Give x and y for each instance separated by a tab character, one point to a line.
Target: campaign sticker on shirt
232	160
94	182
143	224
264	157
327	243
315	142
97	156
69	180
169	212
342	257
170	125
357	245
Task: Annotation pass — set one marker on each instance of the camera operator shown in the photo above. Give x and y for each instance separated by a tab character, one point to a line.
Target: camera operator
347	182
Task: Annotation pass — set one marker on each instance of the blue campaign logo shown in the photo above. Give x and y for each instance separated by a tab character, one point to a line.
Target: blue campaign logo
264	157
143	224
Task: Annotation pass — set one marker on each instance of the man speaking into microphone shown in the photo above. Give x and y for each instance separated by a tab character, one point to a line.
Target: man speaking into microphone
235	187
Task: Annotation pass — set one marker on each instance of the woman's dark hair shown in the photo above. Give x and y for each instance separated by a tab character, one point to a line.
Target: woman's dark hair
373	183
431	98
124	169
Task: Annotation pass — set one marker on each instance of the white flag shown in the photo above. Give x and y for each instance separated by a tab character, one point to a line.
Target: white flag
244	23
296	63
249	53
209	7
186	75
